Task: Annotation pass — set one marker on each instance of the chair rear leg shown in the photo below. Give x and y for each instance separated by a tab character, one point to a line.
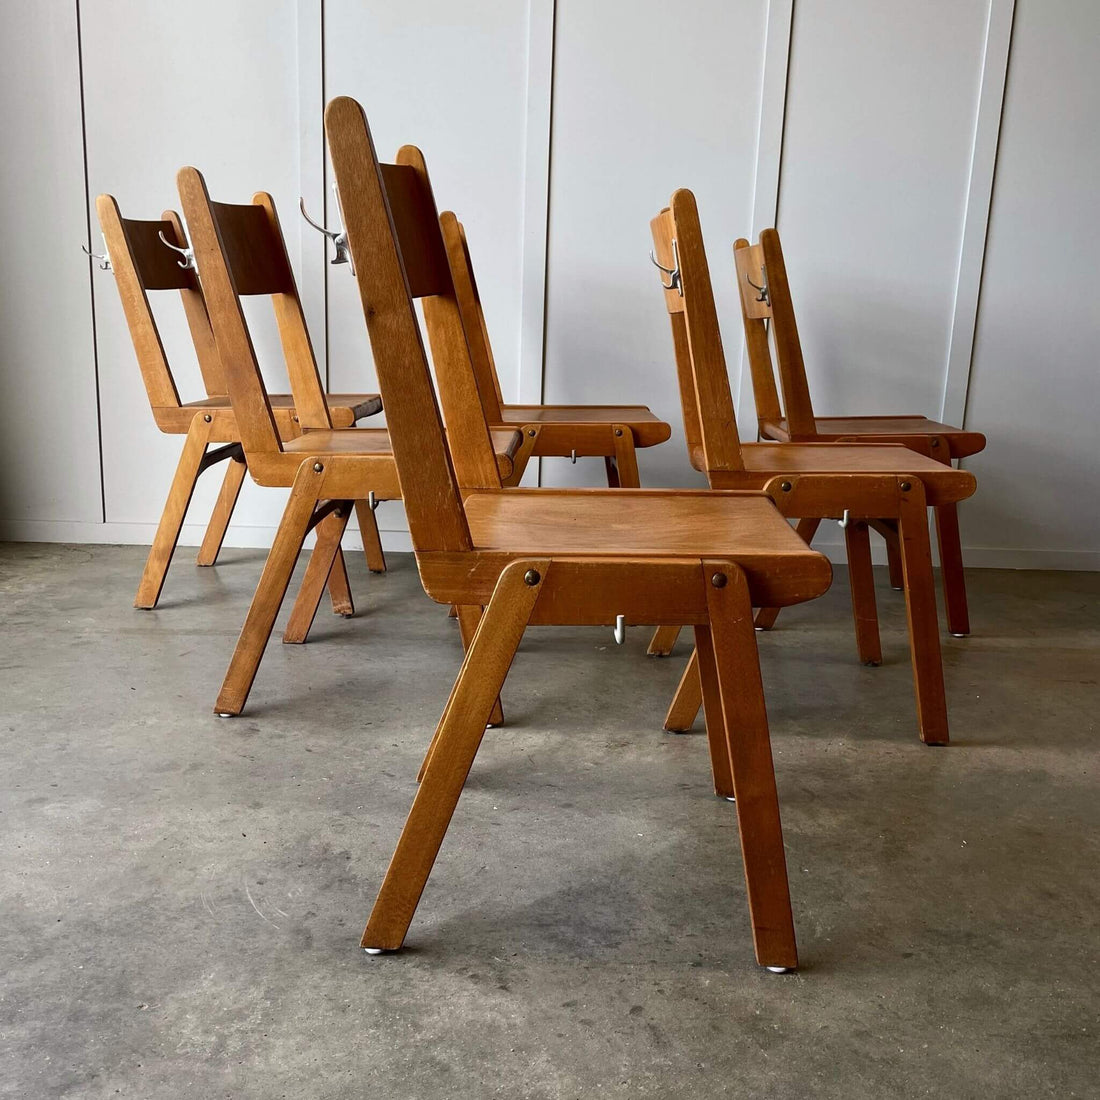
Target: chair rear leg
372	541
267	600
325	569
706	676
626	459
468	619
861	578
889	532
663	641
766	616
479	682
687	700
746	725
951	570
212	541
920	606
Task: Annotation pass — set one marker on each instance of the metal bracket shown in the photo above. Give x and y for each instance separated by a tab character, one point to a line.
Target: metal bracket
620	629
673	273
339	238
188	261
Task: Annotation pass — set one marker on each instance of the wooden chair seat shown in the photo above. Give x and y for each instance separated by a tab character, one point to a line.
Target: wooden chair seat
961	443
648	429
345	409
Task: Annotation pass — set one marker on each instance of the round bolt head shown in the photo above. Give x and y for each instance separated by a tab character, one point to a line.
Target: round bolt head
531	432
318	468
719	580
618	431
208	418
785	486
935	442
906	486
531	578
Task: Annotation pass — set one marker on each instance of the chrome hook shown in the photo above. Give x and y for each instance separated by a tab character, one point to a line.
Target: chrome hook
843	521
339	238
673	272
573	456
103	260
188	261
762	290
620	629
372	503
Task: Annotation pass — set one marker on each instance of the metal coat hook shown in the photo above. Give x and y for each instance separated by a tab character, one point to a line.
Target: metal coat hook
339	238
573	456
102	259
371	501
673	272
188	261
762	290
620	629
843	521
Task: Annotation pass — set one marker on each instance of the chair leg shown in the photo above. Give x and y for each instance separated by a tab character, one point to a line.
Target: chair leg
951	570
766	616
737	664
663	641
171	519
372	541
479	682
266	601
235	470
325	569
889	532
339	588
626	457
706	677
861	578
468	619
687	700
920	606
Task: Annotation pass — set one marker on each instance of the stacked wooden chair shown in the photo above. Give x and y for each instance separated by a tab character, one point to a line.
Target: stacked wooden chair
765	297
545	557
855	484
240	251
145	258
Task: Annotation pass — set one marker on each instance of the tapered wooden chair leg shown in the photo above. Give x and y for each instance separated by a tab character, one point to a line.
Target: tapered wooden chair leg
687	700
325	569
339	588
372	541
171	519
266	602
468	620
663	641
746	722
888	530
920	606
479	682
766	616
861	578
951	570
706	677
235	469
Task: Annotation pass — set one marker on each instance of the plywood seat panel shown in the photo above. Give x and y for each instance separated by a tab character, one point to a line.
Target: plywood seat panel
648	429
961	442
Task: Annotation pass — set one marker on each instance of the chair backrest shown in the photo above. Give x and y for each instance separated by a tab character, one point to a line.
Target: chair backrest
766	304
142	262
239	250
710	422
393	232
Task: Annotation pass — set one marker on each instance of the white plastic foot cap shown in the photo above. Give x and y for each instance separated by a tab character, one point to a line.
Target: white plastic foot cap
373	950
780	969
225	714
730	798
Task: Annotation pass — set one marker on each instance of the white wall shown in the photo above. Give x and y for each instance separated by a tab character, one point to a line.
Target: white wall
872	132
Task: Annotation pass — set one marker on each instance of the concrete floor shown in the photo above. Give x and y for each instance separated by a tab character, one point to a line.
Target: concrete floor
181	898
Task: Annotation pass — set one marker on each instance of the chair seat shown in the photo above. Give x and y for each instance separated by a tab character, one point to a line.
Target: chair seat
961	442
648	430
375	441
345	408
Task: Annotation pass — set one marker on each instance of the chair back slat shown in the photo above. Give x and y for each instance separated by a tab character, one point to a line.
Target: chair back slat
437	521
752	285
412	209
701	362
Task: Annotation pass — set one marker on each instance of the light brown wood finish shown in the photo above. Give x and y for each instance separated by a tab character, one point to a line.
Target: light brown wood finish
143	264
613	432
558	557
764	264
862	483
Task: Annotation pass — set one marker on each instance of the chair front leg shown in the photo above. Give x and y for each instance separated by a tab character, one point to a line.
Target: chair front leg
625	461
372	540
212	541
663	641
766	616
687	700
951	570
480	679
171	519
920	605
861	580
741	689
325	569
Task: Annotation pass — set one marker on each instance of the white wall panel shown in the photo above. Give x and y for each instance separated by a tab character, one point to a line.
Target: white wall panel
881	107
212	84
1035	385
647	98
49	448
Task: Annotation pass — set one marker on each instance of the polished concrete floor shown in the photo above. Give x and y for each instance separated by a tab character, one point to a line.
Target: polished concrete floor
181	897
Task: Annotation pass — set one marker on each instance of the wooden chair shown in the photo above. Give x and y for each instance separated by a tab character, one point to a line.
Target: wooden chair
767	305
613	432
858	485
239	250
143	263
547	557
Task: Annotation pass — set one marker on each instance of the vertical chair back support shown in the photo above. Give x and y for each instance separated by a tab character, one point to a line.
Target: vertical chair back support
756	312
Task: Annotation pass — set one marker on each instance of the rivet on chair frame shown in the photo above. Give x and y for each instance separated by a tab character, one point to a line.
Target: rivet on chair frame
208	418
618	431
531	578
318	468
785	486
905	486
719	580
531	432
